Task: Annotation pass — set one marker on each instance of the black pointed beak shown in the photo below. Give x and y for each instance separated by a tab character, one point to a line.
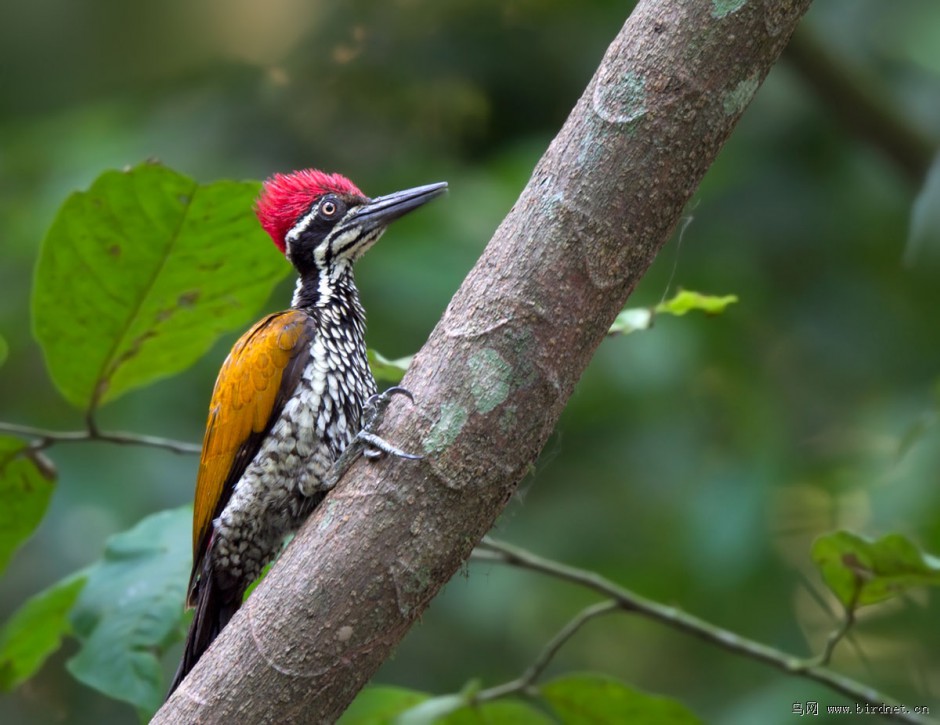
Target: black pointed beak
383	210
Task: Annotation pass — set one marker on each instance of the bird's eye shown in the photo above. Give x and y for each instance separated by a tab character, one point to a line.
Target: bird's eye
329	209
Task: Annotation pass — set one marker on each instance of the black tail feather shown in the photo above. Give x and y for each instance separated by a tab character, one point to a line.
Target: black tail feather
214	608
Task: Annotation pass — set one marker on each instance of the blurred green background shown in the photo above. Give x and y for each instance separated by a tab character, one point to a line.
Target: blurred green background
695	463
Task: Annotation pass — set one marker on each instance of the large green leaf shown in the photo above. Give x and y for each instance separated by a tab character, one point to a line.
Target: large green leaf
131	608
860	571
26	484
140	274
36	630
588	699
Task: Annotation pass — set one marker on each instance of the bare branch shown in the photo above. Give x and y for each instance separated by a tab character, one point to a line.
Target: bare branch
811	669
44	438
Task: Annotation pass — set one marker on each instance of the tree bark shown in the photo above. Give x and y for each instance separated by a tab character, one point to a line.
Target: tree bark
499	367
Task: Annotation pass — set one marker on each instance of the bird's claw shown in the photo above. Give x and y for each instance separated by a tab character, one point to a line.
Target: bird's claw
373	446
366	442
374	409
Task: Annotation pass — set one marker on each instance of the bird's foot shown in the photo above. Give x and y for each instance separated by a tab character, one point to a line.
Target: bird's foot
367	442
372	415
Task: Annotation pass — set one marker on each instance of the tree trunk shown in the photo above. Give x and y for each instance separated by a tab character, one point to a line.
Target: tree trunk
499	367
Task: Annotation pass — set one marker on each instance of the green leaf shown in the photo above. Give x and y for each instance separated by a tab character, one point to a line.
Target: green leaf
254	585
388	371
590	699
498	712
4	350
861	571
139	275
686	301
27	480
382	705
379	705
633	319
131	607
36	630
431	710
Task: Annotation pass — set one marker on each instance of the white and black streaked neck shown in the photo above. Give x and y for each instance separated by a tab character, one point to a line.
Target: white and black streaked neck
333	288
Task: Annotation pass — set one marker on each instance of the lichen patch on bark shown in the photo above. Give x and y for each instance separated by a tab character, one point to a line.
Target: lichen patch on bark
489	379
451	421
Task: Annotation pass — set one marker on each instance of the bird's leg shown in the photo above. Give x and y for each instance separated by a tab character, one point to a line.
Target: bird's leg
367	442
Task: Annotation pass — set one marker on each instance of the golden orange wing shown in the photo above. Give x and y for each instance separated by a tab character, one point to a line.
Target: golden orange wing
249	393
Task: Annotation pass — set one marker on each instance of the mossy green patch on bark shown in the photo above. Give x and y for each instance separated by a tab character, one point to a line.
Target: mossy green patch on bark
445	431
721	8
736	100
620	99
489	379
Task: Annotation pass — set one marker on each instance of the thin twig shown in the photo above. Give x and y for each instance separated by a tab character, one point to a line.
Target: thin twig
526	681
500	552
43	438
91	424
836	636
847	621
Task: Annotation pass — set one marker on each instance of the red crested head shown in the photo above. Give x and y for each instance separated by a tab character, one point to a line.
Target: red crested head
285	198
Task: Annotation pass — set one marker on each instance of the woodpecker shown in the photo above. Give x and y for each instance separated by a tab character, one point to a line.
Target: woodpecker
294	395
